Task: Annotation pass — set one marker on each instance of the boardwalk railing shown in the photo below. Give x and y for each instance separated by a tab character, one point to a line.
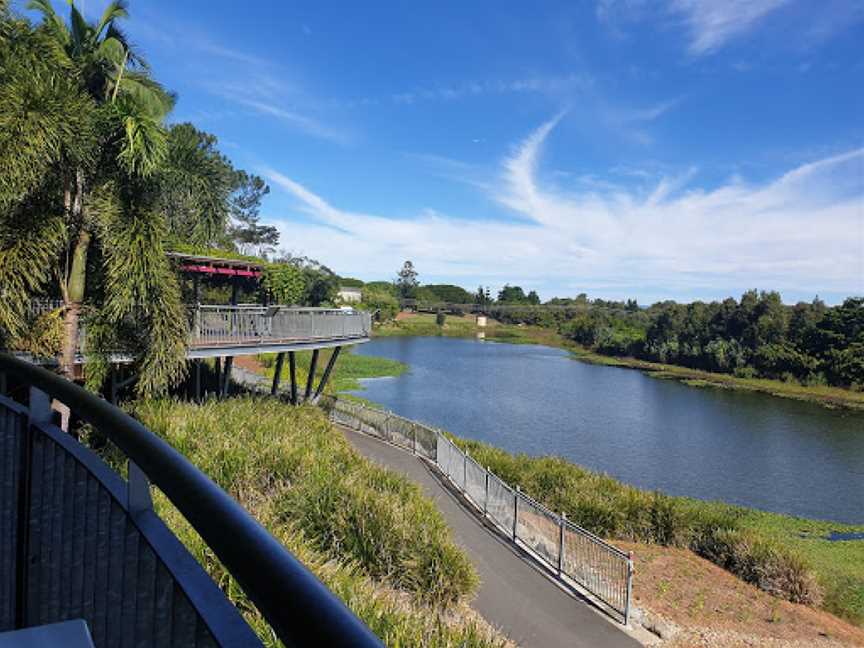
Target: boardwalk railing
214	326
80	542
217	326
569	552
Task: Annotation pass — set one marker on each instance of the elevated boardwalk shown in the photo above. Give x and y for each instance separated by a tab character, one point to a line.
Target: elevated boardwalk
224	331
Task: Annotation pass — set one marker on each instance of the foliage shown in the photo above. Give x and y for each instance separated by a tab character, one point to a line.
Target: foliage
406	281
246	231
382	301
757	336
440	318
350	282
322	284
765	549
284	282
83	151
349	510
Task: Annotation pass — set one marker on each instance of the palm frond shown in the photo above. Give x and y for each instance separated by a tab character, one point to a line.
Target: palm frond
51	21
82	36
31	240
111	49
43	116
155	100
136	59
114	11
140	285
144	141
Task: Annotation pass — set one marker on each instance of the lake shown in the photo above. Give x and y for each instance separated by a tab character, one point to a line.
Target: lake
751	449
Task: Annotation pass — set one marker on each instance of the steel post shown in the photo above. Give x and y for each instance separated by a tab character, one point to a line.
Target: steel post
465	471
330	363
277	373
39	413
629	587
197	380
292	369
561	524
311	377
515	510
486	496
226	380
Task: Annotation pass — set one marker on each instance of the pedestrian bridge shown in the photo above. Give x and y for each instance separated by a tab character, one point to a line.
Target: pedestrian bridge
227	331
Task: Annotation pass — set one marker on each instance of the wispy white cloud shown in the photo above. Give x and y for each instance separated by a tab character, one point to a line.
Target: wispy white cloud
803	231
548	85
711	23
302	122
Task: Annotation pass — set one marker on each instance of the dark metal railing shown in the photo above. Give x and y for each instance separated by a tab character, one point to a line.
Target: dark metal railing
80	542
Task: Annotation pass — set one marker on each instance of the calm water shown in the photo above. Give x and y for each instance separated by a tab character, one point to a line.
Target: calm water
768	453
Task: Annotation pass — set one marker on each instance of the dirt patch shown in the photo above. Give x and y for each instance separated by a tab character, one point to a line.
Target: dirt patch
404	315
249	363
699	604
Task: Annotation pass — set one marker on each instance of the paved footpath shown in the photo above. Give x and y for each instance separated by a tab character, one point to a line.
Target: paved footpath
513	596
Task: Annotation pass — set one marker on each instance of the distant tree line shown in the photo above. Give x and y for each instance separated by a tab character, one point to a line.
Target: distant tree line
756	336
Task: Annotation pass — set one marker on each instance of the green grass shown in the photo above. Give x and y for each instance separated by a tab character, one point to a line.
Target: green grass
784	555
424	325
368	533
350	367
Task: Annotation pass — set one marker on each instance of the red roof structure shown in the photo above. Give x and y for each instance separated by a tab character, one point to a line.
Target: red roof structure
215	266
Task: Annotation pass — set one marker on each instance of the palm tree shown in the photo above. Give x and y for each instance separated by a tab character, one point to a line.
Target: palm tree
82	144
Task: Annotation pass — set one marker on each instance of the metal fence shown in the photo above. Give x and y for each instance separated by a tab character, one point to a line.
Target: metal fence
571	553
79	541
231	325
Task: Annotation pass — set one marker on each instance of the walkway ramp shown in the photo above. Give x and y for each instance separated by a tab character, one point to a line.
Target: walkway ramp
513	596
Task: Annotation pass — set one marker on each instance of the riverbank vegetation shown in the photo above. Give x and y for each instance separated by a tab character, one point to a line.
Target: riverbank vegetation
349	369
423	324
785	556
755	337
369	534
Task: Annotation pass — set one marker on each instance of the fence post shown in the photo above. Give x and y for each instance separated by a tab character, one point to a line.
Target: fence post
486	496
465	472
515	509
561	523
414	437
629	587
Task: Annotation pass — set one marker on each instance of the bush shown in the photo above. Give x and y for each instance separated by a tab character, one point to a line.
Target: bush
314	481
380	300
614	510
440	318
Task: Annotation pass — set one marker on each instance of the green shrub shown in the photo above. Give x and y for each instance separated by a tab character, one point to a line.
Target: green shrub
348	509
614	510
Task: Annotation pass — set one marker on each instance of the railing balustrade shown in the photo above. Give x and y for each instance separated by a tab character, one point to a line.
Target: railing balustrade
253	324
80	542
569	552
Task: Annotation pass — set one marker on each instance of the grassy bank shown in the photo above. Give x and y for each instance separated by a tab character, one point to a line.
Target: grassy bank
786	556
368	533
424	325
350	367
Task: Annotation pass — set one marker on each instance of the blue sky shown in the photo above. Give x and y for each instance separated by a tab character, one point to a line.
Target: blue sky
633	148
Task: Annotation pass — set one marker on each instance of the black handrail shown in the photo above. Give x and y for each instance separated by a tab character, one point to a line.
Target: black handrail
301	610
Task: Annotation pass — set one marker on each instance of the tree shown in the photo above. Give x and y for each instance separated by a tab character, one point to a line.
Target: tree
81	146
449	293
406	281
247	233
532	298
511	295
